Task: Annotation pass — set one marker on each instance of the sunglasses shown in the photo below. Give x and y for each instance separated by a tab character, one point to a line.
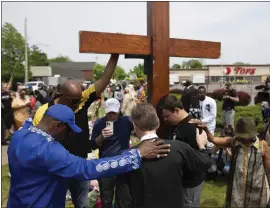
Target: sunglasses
70	131
246	141
74	101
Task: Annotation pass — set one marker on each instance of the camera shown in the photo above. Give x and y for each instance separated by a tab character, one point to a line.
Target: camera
195	110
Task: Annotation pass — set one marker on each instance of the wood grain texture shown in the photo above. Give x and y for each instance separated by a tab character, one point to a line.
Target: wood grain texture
108	43
158	28
158	76
137	46
194	48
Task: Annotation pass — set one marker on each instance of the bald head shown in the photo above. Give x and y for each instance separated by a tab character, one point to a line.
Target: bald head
70	94
71	88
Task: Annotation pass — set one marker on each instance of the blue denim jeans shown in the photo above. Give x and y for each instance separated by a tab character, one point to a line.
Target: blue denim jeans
79	192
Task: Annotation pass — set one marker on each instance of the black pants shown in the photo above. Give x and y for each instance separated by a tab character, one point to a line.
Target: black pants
79	192
109	186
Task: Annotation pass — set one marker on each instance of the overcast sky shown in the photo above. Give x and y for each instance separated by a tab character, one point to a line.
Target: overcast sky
243	28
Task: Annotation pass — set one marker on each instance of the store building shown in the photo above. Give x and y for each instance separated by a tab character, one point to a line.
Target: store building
219	73
79	71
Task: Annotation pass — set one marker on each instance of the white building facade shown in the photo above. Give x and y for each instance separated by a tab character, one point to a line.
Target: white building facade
216	73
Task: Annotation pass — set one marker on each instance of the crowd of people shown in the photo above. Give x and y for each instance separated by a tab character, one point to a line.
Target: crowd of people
49	150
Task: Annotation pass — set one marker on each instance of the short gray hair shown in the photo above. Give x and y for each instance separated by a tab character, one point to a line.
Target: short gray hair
144	116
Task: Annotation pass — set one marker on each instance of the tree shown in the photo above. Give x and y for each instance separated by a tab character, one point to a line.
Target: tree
176	66
12	53
60	58
98	71
37	57
192	64
119	73
138	70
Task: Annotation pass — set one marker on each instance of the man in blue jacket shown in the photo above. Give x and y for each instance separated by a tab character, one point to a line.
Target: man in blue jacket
40	165
111	141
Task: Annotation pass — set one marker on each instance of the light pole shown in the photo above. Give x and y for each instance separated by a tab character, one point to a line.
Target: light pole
41	44
26	52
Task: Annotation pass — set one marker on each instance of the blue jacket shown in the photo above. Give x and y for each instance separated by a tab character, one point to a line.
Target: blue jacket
118	142
39	167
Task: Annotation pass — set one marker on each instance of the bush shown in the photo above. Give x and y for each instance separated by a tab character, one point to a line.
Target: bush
244	97
178	96
253	111
218	93
176	91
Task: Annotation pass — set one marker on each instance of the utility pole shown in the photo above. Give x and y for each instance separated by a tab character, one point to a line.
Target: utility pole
26	52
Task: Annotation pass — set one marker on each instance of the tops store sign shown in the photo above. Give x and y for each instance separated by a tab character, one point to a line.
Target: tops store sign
239	70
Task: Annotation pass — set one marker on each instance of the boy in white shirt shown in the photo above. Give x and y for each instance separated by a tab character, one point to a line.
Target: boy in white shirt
208	109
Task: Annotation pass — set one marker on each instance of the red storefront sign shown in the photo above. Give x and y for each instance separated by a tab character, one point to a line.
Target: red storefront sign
240	70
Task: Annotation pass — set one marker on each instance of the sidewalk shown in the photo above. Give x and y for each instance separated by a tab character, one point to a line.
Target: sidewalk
4	155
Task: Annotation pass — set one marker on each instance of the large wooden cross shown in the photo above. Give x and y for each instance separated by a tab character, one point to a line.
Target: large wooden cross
155	48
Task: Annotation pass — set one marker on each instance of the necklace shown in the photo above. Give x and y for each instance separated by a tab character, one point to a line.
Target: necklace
173	133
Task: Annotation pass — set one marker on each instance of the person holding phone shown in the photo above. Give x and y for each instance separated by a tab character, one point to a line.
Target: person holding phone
111	135
40	166
70	94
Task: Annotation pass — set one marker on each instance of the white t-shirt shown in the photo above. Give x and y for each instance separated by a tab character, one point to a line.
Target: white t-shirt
118	95
208	109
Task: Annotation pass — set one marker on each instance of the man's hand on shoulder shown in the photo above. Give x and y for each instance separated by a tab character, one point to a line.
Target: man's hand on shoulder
153	149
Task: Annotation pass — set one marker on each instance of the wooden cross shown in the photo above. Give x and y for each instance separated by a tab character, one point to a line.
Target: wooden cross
155	48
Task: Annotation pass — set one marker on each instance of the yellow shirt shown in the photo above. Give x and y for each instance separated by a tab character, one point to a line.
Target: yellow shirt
42	109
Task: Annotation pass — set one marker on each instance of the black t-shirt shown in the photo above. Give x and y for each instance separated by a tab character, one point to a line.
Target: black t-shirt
228	104
186	132
188	96
80	144
6	101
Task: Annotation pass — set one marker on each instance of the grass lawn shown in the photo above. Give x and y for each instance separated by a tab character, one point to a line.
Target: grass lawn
213	193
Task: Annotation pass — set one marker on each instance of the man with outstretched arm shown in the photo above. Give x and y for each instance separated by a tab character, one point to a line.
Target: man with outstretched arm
249	176
40	165
79	101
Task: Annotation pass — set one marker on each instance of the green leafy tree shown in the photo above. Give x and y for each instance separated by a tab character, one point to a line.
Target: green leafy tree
37	57
98	71
138	70
60	58
119	73
176	66
192	64
12	53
